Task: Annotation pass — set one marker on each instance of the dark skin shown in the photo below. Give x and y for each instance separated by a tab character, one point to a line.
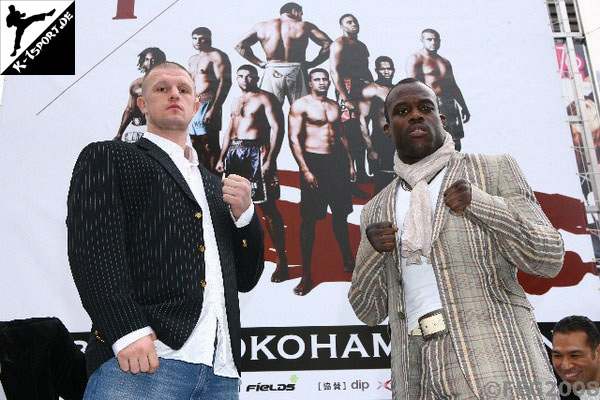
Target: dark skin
418	131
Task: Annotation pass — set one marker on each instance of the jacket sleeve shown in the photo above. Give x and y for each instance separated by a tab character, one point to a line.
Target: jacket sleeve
248	247
96	244
519	227
368	291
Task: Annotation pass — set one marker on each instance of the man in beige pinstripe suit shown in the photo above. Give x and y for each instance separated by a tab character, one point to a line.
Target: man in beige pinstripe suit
439	253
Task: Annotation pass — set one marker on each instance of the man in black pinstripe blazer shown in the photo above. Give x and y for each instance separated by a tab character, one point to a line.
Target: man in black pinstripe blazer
158	249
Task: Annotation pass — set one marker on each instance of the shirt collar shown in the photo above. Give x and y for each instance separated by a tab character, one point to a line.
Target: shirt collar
172	148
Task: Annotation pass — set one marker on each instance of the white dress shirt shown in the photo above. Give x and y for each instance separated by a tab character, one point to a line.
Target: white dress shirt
421	294
200	346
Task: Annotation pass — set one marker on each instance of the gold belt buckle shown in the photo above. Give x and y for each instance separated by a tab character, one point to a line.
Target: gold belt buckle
432	325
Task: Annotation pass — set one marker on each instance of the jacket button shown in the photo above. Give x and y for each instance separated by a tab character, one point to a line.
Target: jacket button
201	248
98	336
198	215
203	283
244	243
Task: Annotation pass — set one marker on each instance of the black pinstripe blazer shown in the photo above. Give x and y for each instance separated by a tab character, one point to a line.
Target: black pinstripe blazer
135	245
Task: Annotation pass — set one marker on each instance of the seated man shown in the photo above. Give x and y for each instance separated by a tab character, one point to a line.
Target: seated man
576	355
39	360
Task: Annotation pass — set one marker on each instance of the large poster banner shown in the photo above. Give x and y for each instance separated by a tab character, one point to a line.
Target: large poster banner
589	12
313	164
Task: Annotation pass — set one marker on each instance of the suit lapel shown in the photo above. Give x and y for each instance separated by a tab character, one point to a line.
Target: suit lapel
453	173
214	198
163	158
389	209
389	202
213	194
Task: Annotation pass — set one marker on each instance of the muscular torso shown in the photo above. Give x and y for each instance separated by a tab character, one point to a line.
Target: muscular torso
248	118
376	93
202	71
354	60
135	91
434	71
284	40
321	125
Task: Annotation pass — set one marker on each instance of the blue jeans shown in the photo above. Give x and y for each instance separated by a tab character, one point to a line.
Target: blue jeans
173	380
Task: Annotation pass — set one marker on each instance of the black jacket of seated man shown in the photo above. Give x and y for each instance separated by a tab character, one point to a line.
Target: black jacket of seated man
40	361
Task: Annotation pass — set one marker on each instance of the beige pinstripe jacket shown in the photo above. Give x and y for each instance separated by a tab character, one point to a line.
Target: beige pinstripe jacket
475	257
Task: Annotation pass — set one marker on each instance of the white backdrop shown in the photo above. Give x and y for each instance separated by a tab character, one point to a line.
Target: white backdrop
504	62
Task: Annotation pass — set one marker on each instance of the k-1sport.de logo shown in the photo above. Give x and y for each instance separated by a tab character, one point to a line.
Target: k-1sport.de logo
37	37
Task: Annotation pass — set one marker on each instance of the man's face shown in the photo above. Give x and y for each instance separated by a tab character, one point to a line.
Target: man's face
431	41
168	100
201	41
350	25
297	14
385	71
247	80
573	358
319	83
148	61
415	122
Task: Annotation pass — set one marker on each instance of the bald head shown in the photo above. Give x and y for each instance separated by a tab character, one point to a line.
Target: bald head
398	87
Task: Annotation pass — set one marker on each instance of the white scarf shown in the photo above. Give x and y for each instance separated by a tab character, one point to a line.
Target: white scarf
418	223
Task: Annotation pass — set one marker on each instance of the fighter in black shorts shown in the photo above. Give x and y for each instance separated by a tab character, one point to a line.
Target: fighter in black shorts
250	149
380	147
326	171
245	158
349	61
333	187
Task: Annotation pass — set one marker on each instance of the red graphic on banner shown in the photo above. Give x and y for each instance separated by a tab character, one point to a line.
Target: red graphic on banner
572	272
125	9
327	265
385	385
564	213
563	63
568	214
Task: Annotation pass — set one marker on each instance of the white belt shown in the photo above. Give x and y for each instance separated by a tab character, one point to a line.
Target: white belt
283	64
430	325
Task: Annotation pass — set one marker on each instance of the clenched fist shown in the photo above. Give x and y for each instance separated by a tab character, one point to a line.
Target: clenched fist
139	356
236	193
458	196
382	236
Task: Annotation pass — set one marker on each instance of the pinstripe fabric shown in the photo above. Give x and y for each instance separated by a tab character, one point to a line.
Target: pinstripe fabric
442	377
133	241
475	257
